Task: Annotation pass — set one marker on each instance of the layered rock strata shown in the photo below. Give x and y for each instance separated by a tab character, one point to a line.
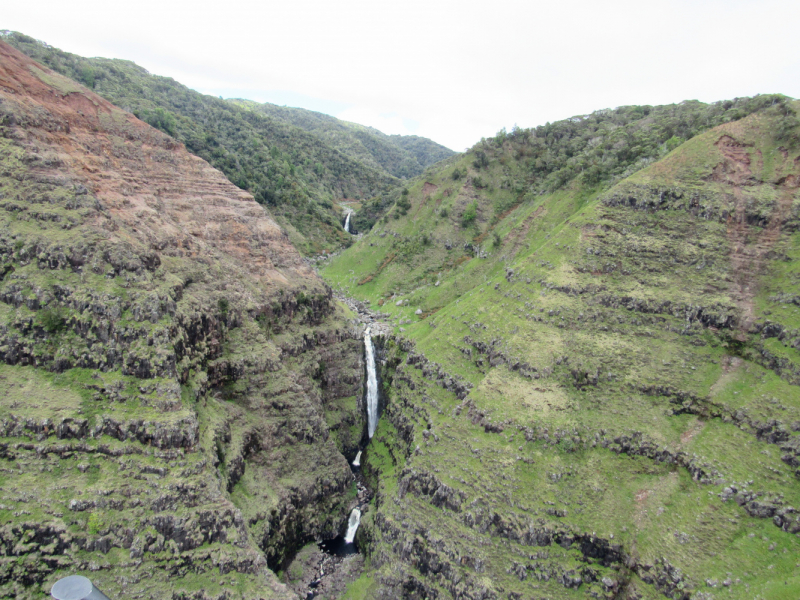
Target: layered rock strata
177	386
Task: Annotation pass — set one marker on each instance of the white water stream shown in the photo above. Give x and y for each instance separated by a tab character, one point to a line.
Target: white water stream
352	526
372	385
347	222
357	461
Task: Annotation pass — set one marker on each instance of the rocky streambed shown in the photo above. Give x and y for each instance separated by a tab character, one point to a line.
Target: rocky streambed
377	321
325	569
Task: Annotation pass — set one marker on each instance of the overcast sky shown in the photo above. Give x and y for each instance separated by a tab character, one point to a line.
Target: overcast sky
453	71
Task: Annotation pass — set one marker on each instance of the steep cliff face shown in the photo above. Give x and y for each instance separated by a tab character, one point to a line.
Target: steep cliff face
594	390
172	371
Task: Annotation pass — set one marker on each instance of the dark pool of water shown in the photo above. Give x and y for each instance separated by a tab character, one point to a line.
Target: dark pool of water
338	547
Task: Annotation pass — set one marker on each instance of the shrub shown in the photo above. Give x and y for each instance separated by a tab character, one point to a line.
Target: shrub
469	215
787	130
302	299
674	142
403	204
53	319
160	119
87	76
94	524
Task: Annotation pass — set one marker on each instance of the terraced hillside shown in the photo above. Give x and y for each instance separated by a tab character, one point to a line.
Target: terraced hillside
298	175
593	390
177	387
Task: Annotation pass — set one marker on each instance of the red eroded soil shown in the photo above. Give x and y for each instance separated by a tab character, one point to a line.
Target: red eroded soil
153	194
748	253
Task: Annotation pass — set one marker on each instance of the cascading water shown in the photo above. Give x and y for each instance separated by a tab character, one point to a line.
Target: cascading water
352	526
372	385
347	222
357	461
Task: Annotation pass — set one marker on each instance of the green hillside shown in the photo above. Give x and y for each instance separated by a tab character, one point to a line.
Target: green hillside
291	171
403	156
594	389
177	386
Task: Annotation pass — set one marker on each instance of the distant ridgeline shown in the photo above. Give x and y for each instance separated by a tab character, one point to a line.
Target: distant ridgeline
589	152
611	144
297	162
403	156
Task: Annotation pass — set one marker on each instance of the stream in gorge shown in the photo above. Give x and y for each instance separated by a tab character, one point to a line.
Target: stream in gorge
337	562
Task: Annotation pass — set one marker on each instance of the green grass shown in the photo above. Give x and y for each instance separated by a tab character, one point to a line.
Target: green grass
555	295
361	589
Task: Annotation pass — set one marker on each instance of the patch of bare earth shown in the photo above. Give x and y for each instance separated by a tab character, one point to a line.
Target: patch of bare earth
519	235
730	364
695	428
749	249
641	502
429	188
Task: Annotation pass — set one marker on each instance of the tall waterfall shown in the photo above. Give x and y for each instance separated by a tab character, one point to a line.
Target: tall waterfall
347	222
357	461
352	526
372	385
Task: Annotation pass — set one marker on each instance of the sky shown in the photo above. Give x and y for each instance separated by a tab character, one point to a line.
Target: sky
452	71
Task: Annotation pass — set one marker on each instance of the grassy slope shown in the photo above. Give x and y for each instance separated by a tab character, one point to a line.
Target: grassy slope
294	172
551	296
401	156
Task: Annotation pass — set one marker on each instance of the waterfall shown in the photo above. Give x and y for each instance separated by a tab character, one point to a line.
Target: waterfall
357	461
347	222
372	386
352	526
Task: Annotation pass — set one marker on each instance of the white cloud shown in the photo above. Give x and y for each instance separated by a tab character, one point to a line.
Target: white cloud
460	69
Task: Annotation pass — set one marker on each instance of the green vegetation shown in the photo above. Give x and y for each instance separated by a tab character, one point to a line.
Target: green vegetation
611	144
469	215
361	589
400	156
173	405
52	319
623	306
297	170
592	390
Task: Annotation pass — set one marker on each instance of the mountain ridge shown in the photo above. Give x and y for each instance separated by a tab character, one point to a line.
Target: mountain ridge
296	174
370	145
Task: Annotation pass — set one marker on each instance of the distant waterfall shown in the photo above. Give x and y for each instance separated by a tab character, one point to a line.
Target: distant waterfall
352	526
347	222
357	461
372	385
